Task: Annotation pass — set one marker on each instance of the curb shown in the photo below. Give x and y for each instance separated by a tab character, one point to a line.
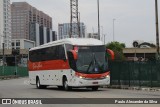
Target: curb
134	88
8	77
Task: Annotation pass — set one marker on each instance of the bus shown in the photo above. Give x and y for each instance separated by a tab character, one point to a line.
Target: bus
70	63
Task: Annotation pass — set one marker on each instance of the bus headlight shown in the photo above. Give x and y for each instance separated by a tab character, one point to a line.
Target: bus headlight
81	77
107	76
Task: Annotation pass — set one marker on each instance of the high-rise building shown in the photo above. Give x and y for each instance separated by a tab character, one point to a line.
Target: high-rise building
64	31
92	35
30	23
5	24
40	34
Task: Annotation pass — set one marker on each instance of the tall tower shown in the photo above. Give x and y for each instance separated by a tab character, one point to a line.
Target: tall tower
74	22
5	24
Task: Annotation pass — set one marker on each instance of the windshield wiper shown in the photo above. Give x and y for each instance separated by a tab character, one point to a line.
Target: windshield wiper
89	65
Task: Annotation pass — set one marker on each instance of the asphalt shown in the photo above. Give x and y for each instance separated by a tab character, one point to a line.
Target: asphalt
20	88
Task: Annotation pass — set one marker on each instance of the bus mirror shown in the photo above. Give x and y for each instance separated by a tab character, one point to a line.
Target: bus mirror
110	54
75	56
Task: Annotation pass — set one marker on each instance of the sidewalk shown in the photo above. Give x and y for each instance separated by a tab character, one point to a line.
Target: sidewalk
8	77
126	87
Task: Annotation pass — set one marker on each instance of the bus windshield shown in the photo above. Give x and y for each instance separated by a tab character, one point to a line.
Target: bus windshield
91	59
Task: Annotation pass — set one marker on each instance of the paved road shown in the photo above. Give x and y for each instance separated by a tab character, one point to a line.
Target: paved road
20	88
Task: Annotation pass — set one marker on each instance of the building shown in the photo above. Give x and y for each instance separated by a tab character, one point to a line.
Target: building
41	34
93	35
139	53
5	24
19	51
30	23
22	44
64	31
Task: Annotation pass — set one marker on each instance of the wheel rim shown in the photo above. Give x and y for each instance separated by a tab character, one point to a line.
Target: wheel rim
66	85
38	84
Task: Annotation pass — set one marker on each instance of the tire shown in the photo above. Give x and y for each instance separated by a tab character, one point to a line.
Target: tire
95	88
60	87
39	86
65	85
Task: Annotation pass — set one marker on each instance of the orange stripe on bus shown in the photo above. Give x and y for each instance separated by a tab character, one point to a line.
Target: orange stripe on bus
48	65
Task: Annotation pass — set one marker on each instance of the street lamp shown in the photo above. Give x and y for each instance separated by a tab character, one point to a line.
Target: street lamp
113	29
102	33
104	39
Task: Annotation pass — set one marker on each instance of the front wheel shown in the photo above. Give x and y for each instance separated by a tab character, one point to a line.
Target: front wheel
65	85
60	87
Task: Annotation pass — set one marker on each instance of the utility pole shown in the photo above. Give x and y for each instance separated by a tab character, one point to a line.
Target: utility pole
79	23
3	56
104	39
113	30
98	20
157	26
102	33
74	23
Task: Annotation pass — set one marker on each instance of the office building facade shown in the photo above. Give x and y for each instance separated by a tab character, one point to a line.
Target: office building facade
5	24
27	21
64	31
22	44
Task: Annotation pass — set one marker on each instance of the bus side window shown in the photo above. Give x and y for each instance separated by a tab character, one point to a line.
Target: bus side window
43	55
61	52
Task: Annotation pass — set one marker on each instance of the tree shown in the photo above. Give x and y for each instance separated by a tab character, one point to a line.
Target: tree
118	49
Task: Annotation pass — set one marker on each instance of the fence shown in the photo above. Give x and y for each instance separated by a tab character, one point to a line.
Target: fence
135	73
11	70
122	73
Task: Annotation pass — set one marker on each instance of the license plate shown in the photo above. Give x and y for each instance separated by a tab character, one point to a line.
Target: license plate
95	82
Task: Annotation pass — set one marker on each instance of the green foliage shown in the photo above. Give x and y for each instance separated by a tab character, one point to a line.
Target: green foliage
118	49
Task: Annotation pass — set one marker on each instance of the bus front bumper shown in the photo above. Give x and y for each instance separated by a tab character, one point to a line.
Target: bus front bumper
83	82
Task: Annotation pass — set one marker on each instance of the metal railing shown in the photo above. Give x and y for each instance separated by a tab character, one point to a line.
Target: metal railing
13	71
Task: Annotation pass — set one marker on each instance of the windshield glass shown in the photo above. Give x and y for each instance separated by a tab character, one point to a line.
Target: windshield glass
91	59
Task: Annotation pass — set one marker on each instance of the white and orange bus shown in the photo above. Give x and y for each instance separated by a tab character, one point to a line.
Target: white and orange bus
70	63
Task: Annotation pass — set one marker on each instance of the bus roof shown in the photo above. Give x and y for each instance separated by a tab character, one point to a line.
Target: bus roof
72	41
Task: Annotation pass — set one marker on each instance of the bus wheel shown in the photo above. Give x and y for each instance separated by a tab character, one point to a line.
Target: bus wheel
39	86
95	88
60	87
65	85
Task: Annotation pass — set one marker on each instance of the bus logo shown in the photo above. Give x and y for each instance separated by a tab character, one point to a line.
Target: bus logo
6	101
37	66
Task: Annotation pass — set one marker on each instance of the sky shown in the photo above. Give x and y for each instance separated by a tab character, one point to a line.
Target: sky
134	19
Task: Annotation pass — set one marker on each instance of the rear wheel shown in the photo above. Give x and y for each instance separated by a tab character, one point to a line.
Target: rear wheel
39	86
95	88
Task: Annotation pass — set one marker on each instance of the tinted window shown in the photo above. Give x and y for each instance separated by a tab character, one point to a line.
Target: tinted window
61	52
50	53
